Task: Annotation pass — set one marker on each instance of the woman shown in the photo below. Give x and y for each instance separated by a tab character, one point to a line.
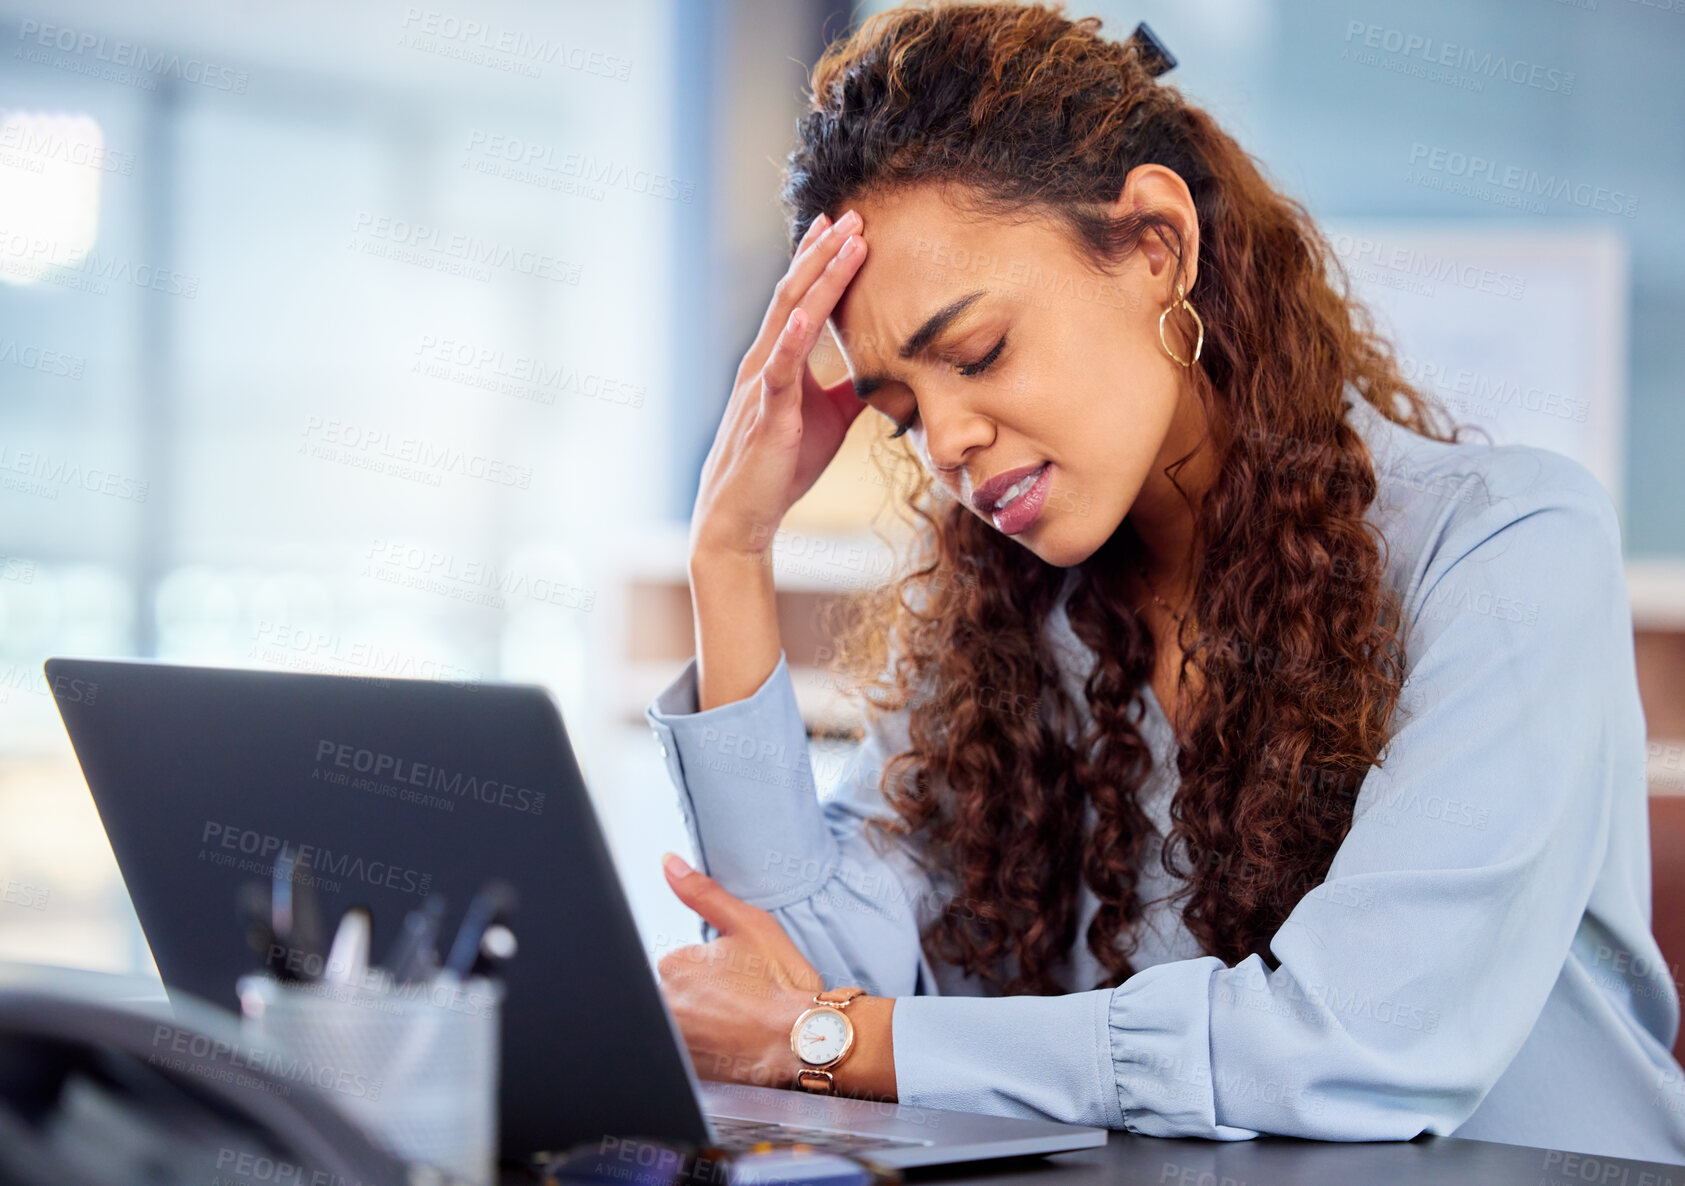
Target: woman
1257	758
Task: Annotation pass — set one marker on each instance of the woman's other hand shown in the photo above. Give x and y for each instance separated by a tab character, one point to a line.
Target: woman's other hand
736	998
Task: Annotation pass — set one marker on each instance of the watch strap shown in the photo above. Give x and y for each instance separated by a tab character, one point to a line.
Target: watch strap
818	1082
838	997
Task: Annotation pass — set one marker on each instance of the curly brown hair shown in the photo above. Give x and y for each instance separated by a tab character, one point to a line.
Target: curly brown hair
1299	649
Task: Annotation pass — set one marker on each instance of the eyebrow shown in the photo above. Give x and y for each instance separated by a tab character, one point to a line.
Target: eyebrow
921	338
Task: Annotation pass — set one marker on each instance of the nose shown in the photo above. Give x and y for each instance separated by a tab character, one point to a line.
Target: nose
953	430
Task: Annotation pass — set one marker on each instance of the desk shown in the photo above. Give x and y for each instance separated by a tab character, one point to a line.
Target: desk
1269	1161
1128	1159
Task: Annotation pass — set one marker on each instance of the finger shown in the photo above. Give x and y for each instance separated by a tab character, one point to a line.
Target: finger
814	229
806	322
839	250
833	279
708	897
822	238
789	355
809	261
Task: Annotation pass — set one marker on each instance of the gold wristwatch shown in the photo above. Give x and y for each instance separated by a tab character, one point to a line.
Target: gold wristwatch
822	1037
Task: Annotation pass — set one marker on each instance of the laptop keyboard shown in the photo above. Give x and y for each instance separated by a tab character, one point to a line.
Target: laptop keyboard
741	1136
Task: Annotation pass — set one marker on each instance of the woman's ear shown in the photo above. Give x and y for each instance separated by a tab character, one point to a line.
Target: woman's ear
1157	187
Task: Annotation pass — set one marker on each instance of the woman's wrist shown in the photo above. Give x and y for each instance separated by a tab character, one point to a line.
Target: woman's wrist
868	1072
734	602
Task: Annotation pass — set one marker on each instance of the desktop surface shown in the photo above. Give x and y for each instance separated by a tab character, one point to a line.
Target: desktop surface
1127	1159
1281	1161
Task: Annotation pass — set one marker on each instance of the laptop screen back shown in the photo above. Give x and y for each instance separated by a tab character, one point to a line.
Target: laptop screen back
389	790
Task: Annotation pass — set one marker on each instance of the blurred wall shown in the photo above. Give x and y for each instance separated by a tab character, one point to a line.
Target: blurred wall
332	337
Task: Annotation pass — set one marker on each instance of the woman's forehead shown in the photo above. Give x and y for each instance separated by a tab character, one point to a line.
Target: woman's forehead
922	226
926	259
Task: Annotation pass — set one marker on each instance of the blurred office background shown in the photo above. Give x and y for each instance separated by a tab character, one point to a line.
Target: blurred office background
263	266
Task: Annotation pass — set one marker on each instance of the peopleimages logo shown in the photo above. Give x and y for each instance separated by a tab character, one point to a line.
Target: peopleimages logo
506	373
424	775
216	1058
31	143
147	64
518	159
366	447
414	567
1409	260
1475	169
48	474
1482	63
33	257
48	362
248	850
510	50
417	242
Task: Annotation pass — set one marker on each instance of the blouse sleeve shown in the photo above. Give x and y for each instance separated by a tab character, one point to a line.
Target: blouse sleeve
1408	980
748	795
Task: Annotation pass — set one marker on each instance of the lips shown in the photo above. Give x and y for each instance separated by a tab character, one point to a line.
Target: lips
987	496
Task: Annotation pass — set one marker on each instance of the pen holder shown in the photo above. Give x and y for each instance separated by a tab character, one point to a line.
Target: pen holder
415	1064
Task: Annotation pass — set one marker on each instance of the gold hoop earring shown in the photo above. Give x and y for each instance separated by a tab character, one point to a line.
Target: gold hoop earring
1199	343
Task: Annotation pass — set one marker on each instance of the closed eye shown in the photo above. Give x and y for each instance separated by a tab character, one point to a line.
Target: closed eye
984	363
969	370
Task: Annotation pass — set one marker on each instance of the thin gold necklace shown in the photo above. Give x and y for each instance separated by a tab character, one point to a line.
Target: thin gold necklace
1142	569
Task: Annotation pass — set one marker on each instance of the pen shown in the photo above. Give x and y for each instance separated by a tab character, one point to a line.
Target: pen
481	933
497	947
254	909
294	918
489	907
413	956
348	958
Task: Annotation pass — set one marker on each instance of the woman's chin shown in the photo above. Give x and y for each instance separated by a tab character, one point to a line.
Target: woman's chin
1055	544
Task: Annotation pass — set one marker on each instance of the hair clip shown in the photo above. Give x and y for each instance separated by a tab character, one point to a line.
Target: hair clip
1154	56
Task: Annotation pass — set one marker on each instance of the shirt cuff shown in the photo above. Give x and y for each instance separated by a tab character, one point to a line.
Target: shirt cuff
1038	1057
746	787
1160	1030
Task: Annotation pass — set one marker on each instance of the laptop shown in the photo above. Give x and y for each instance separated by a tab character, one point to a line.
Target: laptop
406	788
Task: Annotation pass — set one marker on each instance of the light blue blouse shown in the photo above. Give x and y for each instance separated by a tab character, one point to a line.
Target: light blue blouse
1479	959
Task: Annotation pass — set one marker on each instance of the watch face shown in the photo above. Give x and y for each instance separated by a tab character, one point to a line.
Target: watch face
822	1037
